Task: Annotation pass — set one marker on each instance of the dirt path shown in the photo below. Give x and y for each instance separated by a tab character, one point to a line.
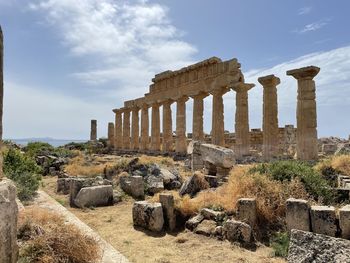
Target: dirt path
110	254
114	224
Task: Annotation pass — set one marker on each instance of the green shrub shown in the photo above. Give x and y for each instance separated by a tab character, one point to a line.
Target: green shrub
280	244
313	181
34	149
23	171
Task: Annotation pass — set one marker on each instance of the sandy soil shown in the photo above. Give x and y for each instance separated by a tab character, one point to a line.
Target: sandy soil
114	224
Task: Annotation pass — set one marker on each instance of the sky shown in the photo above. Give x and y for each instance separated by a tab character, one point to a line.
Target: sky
69	61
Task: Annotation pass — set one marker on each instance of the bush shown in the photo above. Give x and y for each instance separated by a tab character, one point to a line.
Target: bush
280	244
23	171
34	149
314	183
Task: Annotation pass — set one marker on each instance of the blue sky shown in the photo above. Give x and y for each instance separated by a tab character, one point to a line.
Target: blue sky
67	61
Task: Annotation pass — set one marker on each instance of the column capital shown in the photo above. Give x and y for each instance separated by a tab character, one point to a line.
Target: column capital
145	106
117	111
304	73
135	108
182	99
200	95
269	81
243	87
219	91
167	102
125	110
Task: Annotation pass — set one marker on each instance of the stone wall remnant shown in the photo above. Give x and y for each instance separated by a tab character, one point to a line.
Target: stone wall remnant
148	215
297	214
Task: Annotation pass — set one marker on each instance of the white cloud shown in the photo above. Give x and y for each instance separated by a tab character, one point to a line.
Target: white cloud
312	27
125	38
304	10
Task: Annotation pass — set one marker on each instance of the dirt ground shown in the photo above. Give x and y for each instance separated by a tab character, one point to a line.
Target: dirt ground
115	225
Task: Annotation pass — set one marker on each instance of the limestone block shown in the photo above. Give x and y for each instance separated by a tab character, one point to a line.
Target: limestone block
210	214
323	220
94	196
8	222
75	185
133	185
193	222
329	148
154	184
206	228
212	180
217	155
341	178
192	185
246	211
237	231
148	215
310	247
344	221
345	181
63	185
297	214
168	204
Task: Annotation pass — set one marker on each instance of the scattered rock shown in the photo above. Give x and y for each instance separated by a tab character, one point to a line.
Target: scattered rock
117	197
154	184
237	231
305	247
193	185
133	185
211	214
148	215
168	204
94	196
206	228
193	222
171	180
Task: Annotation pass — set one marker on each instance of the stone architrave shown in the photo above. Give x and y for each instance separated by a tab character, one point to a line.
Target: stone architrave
118	129
126	129
144	128
270	116
111	134
198	108
307	148
242	144
218	129
93	131
167	127
135	130
180	143
155	129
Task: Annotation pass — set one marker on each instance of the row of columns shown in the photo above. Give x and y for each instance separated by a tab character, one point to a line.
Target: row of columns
126	138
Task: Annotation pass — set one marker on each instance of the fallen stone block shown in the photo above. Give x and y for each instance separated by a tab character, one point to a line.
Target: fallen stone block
168	204
117	197
341	195
211	214
297	214
212	180
217	155
246	211
341	178
193	185
237	231
344	221
206	228
94	196
133	185
305	247
154	184
63	185
323	220
193	222
148	215
170	180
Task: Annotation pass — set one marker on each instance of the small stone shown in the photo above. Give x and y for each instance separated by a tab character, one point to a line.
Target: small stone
192	223
237	231
211	214
117	197
193	185
206	228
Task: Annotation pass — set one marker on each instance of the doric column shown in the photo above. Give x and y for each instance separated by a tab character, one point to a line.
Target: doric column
270	116
144	128
242	144
167	127
181	143
197	125
110	134
155	129
135	130
306	112
93	130
218	126
126	128
118	129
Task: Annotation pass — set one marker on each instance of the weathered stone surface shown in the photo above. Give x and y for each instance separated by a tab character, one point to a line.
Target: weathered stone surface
154	184
218	117
246	210
237	231
305	247
193	185
341	178
210	214
212	180
297	214
94	196
206	228
323	220
193	222
216	155
8	219
344	221
329	148
168	204
93	132
171	180
133	185
110	134
63	185
148	215
117	197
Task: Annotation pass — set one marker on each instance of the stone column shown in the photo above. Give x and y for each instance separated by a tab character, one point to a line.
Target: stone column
197	125
218	126
126	128
144	128
1	92
181	143
118	129
110	134
270	116
93	130
167	127
242	144
155	129
135	130
306	112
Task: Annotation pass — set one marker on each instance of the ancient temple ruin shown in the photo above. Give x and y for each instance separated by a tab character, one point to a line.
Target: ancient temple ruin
216	77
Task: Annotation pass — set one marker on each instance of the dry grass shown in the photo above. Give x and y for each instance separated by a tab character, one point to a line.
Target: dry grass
48	239
341	163
147	160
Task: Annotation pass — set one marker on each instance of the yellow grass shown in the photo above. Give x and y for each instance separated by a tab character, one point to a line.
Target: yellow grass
340	163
